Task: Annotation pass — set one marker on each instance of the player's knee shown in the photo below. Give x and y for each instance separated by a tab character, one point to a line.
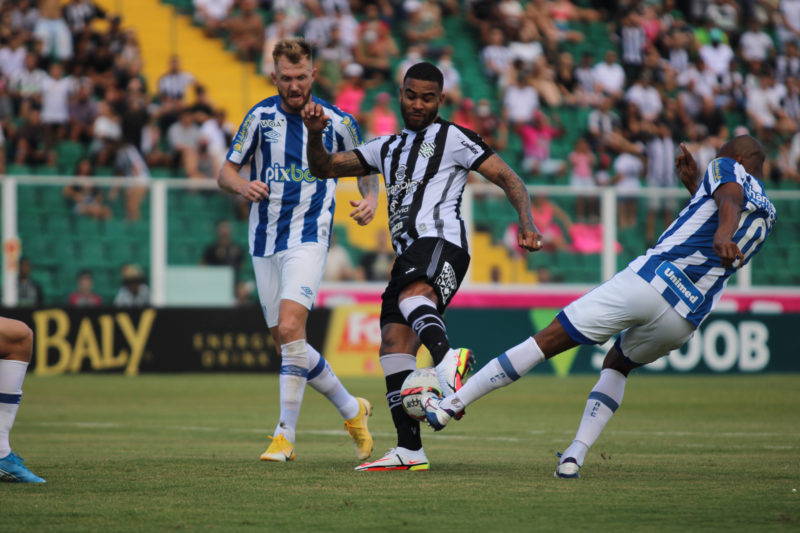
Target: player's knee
396	338
20	338
616	361
418	288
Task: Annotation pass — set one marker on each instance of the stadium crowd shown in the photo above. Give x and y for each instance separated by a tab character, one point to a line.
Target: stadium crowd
73	99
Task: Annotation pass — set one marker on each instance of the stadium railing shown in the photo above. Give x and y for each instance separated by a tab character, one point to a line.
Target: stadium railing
178	217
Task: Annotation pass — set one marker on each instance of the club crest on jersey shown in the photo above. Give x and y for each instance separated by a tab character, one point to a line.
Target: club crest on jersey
426	149
446	281
400	173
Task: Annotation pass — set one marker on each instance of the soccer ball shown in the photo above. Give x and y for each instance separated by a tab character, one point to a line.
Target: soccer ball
411	393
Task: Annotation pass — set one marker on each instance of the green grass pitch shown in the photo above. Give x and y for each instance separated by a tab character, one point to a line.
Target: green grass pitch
180	453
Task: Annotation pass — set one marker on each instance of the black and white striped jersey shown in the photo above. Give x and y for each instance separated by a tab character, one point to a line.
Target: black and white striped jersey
425	173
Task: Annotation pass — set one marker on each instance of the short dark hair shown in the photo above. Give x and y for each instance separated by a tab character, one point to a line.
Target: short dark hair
426	72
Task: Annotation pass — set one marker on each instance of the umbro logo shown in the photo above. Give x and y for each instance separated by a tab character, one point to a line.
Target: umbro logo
307	291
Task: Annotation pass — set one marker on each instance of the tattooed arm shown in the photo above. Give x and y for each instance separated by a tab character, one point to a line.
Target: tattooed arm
498	172
322	164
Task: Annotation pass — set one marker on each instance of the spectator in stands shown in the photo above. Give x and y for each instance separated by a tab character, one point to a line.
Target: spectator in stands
788	164
787	64
350	92
491	128
24	16
375	50
244	294
602	121
2	148
339	266
628	170
280	28
543	80
660	151
584	74
56	92
381	120
465	115
184	140
376	264
29	291
609	77
567	83
224	251
26	85
106	133
496	56
6	109
582	162
527	47
755	44
246	31
212	139
717	55
633	41
31	148
84	196
789	22
452	78
12	55
329	61
134	291
520	100
412	57
211	15
713	118
173	85
83	111
765	108
423	27
81	13
84	295
537	137
645	97
52	31
129	163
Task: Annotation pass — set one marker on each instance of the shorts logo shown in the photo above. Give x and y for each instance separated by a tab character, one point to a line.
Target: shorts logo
307	292
680	284
446	281
426	149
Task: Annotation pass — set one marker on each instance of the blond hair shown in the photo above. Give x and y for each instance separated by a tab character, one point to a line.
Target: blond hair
293	49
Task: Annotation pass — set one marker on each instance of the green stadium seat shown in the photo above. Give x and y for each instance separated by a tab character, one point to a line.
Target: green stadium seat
19	170
69	153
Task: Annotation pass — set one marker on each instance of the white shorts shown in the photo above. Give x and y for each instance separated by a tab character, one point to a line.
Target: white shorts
650	326
293	274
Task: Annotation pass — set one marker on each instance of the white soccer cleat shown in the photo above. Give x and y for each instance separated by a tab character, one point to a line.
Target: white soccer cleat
436	415
398	459
568	469
453	369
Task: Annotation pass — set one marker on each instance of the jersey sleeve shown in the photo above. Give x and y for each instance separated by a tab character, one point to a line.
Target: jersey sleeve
351	132
469	150
369	154
245	141
723	170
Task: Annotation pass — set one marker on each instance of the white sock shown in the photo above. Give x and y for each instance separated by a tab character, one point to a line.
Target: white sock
605	398
503	370
294	369
322	379
12	374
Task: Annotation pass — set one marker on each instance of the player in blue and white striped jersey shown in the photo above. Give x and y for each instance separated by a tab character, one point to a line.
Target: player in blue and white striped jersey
656	303
291	217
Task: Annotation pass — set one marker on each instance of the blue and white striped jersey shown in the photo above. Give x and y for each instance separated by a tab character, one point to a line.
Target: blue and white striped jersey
300	207
682	266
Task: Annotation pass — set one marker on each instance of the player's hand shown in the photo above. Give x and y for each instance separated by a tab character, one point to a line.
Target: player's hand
364	210
529	239
314	117
728	252
686	166
255	191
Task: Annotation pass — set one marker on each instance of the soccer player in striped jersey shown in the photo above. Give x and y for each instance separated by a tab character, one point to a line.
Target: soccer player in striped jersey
291	217
425	168
656	303
16	348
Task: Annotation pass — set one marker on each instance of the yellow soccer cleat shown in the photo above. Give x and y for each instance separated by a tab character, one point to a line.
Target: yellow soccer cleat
280	450
357	428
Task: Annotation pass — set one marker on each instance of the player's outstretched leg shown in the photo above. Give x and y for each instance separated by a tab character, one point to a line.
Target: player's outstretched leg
452	365
605	398
408	454
499	372
16	347
355	411
294	370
